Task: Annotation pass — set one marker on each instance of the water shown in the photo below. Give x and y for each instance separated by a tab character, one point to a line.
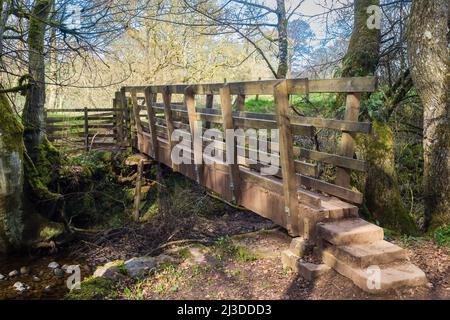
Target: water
38	267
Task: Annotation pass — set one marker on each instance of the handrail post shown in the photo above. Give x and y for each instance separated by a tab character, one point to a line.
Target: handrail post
348	143
128	134
137	119
149	99
231	149
167	99
119	119
290	181
196	137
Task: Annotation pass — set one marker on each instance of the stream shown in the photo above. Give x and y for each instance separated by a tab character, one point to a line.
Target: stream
41	280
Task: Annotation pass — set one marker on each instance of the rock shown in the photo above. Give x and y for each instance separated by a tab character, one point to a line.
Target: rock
21	287
2	277
41	273
53	265
65	267
24	270
430	285
110	271
36	279
59	273
13	274
48	289
139	267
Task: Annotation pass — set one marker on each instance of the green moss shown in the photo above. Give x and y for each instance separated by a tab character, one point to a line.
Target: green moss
93	289
10	127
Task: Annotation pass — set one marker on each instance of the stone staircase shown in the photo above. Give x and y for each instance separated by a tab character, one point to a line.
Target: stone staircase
355	248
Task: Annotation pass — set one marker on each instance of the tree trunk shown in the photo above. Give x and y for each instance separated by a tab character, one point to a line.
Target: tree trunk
381	189
429	60
11	178
282	25
33	113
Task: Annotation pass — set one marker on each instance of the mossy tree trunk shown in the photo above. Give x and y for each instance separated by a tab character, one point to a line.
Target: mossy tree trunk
282	26
34	113
429	57
381	189
11	178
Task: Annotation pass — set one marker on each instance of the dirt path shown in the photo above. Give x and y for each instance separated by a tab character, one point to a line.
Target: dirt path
249	267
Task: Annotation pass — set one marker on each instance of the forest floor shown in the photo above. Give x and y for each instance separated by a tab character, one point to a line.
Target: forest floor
230	256
241	260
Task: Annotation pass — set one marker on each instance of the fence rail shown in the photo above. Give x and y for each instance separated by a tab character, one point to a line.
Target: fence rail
85	129
149	110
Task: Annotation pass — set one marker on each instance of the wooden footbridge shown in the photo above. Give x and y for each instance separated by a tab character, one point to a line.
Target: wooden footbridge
295	197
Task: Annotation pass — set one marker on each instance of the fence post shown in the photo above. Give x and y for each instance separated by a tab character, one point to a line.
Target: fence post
167	99
126	115
149	99
231	149
290	180
347	145
119	119
86	129
196	137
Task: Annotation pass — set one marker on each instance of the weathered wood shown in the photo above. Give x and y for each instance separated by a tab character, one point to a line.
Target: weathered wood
231	149
331	189
167	98
343	162
86	129
137	192
209	105
265	87
151	123
348	143
195	134
137	119
119	120
290	182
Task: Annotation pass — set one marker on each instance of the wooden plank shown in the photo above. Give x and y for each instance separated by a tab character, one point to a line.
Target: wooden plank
231	149
197	142
290	182
252	123
348	140
343	162
80	110
342	125
331	189
265	87
149	97
167	98
137	120
209	105
119	120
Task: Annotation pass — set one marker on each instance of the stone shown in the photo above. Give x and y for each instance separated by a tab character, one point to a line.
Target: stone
110	271
59	273
290	260
311	271
365	255
65	267
48	289
2	277
379	279
13	274
24	270
139	267
350	231
21	287
53	265
299	246
36	279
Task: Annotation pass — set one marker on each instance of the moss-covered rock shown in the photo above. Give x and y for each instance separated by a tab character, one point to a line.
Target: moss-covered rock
93	289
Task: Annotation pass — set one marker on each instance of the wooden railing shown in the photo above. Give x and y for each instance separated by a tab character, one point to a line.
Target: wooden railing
86	129
156	114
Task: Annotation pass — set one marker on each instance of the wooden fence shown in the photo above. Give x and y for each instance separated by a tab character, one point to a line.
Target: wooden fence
295	197
86	129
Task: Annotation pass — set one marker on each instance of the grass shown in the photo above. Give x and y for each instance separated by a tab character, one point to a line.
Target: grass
442	236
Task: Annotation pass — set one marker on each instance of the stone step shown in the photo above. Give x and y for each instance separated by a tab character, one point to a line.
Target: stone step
365	255
380	279
350	231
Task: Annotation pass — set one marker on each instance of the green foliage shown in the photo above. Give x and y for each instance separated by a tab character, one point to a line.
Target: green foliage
442	236
261	105
225	248
93	289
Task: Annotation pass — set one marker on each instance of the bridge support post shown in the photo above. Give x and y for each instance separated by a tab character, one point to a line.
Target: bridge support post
189	98
231	149
137	119
167	99
290	181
